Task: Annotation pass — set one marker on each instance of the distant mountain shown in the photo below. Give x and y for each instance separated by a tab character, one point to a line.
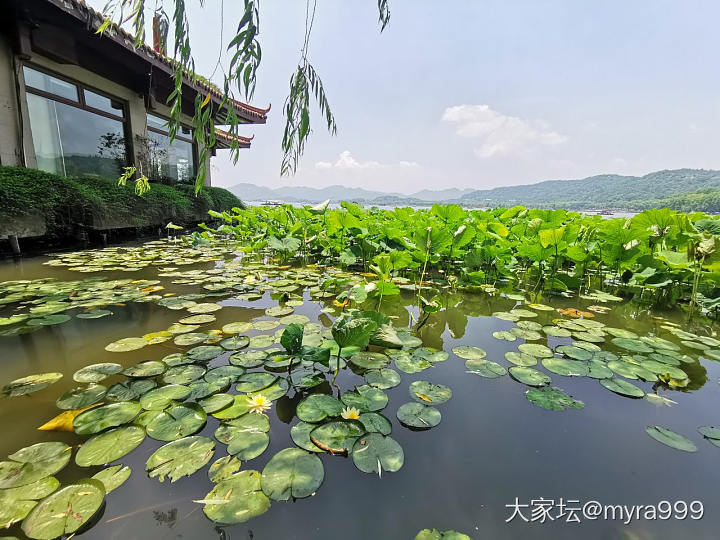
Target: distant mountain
604	191
607	191
252	192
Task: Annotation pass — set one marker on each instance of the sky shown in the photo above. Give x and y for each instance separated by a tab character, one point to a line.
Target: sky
479	93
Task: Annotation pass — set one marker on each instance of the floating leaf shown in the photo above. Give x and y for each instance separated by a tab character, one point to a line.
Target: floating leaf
223	468
434	534
369	360
419	416
177	422
252	382
109	446
16	503
33	463
671	439
365	398
96	372
113	477
633	345
216	403
30	384
566	367
424	391
126	344
236	499
160	398
504	335
101	418
337	437
65	511
300	434
521	359
292	472
384	378
622	387
529	376
180	458
552	399
374	453
485	368
535	349
151	368
80	398
317	407
469	352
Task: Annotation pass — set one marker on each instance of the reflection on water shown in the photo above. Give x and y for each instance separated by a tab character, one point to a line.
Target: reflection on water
491	446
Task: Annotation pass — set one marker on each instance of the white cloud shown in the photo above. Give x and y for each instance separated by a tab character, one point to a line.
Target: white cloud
347	162
499	134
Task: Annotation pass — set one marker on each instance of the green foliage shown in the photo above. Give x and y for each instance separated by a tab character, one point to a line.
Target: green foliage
66	202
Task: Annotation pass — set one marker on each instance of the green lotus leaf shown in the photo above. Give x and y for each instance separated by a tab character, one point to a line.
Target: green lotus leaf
198	319
598	370
292	473
223	468
49	320
384	378
375	423
109	446
632	345
521	359
162	397
469	352
235	343
248	359
375	453
50	519
106	416
79	398
151	368
252	382
216	402
237	327
126	344
671	439
622	387
563	366
177	422
33	463
528	335
419	416
552	399
485	368
317	407
129	390
535	349
183	374
179	458
576	353
240	406
30	384
300	434
16	503
504	335
265	325
365	398
338	436
204	353
556	331
529	376
113	477
236	499
369	360
427	392
96	372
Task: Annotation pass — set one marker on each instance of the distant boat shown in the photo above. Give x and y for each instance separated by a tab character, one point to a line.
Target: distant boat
604	213
272	203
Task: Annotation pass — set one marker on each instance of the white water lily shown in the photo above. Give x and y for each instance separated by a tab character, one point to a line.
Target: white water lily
350	413
259	404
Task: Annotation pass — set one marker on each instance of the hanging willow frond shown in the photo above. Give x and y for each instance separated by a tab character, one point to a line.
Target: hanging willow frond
304	81
246	59
384	11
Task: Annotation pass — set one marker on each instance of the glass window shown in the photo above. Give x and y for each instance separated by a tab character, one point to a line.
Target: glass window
168	163
102	103
48	83
156	122
72	141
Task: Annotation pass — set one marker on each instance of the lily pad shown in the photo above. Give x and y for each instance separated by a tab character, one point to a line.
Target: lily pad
216	403
369	360
249	359
198	319
240	406
160	398
529	376
535	349
126	344
79	398
204	353
33	463
365	398
384	378
51	518
113	477
106	416
317	407
485	368
236	499
504	335
223	468
337	437
235	343
552	399
375	423
375	453
177	422
151	368
30	384
419	416
632	345
252	382
109	446
622	387
129	390
292	473
16	503
566	367
180	458
427	392
300	434
576	353
96	372
671	439
469	352
521	359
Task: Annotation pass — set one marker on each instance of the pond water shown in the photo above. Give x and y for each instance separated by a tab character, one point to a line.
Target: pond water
491	448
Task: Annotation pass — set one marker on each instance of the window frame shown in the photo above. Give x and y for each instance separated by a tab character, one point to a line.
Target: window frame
179	137
80	103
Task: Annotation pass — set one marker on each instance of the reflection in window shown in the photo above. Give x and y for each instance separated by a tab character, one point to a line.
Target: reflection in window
165	162
71	141
102	103
48	83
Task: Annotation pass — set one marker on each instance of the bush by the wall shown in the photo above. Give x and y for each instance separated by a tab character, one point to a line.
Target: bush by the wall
68	202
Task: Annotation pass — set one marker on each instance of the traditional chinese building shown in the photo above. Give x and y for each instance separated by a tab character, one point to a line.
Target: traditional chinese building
76	102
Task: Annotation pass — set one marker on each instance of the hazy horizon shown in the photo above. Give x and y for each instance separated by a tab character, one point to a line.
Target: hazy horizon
520	93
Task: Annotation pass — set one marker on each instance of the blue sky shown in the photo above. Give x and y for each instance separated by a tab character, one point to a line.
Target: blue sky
479	93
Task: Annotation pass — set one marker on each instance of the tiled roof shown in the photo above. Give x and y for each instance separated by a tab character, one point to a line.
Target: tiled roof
224	139
95	19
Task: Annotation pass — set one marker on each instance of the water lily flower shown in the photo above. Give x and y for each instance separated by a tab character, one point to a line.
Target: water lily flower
259	404
350	413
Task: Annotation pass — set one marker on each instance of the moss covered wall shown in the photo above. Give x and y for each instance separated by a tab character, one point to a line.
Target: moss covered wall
31	200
